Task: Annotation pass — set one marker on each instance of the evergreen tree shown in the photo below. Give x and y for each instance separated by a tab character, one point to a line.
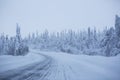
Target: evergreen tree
17	40
2	43
117	25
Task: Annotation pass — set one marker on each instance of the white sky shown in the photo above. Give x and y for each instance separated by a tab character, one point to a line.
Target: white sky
56	15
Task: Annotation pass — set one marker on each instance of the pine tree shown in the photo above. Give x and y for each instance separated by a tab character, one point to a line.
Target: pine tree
20	47
2	42
109	41
17	40
12	46
88	42
6	46
117	29
117	25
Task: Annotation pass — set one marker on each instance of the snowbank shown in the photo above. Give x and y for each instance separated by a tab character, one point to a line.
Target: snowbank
8	62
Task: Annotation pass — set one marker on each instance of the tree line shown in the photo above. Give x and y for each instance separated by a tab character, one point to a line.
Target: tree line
90	42
13	45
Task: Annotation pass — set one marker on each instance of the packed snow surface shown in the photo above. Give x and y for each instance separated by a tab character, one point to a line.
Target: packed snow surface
62	66
83	67
8	62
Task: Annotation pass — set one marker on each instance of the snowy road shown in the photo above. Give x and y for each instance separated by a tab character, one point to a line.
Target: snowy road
33	71
60	66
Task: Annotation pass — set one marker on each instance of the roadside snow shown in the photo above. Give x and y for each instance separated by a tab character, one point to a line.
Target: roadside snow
8	62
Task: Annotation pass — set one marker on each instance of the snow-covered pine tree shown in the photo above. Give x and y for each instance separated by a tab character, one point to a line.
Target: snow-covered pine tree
17	40
117	26
88	42
6	46
110	42
12	46
117	29
2	42
20	47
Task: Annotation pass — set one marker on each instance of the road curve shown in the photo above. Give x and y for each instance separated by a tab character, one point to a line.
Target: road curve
60	66
33	71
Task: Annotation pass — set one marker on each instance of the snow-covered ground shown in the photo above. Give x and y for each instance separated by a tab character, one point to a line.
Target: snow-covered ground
63	66
8	62
83	67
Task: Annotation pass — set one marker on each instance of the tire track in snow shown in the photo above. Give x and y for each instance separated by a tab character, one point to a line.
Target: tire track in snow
55	67
30	72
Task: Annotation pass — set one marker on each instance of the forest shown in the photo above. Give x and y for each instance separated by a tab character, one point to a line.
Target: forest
89	42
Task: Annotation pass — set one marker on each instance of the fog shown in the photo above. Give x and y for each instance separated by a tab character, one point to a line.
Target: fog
56	15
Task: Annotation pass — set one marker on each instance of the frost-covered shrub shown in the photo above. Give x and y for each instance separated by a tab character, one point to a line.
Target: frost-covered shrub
114	52
93	52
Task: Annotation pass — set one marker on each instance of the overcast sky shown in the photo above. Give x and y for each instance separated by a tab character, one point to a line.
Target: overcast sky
56	15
